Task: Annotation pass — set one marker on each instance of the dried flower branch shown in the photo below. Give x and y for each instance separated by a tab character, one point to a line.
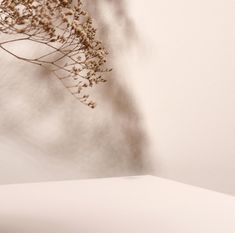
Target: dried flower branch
73	53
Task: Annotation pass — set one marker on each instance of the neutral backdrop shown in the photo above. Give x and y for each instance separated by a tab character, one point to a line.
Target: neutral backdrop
168	108
186	88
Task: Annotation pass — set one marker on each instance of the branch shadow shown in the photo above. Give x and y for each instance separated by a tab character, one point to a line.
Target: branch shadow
65	139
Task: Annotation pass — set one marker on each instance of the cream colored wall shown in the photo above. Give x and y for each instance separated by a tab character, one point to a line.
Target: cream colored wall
185	84
46	134
173	98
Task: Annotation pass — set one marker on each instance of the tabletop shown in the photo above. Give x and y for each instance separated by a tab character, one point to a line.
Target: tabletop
136	204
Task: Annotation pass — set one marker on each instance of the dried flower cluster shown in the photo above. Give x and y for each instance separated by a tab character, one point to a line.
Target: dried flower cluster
73	53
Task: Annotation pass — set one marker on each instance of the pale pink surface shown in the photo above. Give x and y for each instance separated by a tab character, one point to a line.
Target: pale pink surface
144	204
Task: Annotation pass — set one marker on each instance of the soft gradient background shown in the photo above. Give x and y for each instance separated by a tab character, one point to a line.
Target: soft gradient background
168	109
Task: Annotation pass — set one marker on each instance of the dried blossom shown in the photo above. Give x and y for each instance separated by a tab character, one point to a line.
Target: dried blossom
74	54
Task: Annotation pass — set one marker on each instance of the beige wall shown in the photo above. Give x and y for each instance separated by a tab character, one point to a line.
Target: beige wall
185	84
174	98
46	134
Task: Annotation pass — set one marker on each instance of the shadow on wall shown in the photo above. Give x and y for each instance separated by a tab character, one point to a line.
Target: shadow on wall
55	137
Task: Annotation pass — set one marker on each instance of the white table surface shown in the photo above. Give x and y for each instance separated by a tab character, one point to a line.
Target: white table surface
141	204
